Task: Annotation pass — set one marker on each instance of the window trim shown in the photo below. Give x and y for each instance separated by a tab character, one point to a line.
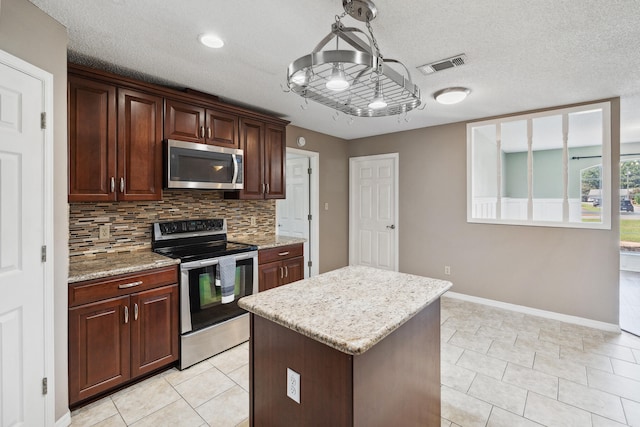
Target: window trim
606	189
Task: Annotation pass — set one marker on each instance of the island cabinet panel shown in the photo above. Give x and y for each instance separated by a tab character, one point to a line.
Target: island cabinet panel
121	328
325	376
92	140
395	382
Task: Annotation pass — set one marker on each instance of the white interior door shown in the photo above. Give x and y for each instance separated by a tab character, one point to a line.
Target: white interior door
373	211
22	235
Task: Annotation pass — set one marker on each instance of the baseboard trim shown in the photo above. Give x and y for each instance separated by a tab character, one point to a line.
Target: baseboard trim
64	420
609	327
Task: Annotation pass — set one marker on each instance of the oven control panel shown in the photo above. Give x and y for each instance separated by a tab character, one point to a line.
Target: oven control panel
191	226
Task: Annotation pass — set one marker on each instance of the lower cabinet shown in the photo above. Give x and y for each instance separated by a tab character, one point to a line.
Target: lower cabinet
121	328
280	266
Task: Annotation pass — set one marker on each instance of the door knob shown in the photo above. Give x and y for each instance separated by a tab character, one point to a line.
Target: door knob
391	227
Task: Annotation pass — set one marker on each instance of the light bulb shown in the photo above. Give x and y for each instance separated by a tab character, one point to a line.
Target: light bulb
378	101
338	80
299	78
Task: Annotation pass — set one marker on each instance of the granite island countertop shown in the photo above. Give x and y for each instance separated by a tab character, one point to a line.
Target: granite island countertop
87	268
267	241
350	309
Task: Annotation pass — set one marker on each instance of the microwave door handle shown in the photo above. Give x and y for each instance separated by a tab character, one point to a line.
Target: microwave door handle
235	168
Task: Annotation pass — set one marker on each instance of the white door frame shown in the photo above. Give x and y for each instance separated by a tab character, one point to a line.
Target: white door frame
48	316
314	210
352	219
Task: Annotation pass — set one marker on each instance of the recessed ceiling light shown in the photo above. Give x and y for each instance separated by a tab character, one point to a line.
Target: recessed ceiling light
211	40
451	95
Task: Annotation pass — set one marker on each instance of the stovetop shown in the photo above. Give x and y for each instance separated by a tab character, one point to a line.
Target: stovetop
192	240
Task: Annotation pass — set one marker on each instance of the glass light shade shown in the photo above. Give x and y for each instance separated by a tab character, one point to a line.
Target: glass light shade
451	95
378	103
338	80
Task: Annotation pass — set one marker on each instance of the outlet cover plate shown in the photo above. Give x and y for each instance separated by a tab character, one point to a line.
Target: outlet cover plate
293	385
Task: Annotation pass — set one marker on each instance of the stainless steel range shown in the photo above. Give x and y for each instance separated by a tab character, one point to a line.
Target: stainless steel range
214	274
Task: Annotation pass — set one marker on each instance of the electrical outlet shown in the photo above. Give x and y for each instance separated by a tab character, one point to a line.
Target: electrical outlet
104	232
326	206
447	270
293	385
253	221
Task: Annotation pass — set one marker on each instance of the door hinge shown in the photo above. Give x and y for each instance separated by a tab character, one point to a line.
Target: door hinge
309	264
309	217
309	171
43	120
43	253
45	388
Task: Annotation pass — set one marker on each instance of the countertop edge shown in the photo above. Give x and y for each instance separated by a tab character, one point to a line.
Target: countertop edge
117	271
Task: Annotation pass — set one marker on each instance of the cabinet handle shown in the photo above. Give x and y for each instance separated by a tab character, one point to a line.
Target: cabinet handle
122	185
283	253
113	184
135	311
264	187
208	132
286	271
126	314
201	131
267	188
281	273
130	285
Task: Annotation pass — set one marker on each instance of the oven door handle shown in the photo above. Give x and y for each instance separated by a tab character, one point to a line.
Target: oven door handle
208	262
235	168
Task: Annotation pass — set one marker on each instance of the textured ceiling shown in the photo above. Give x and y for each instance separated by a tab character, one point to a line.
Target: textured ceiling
521	55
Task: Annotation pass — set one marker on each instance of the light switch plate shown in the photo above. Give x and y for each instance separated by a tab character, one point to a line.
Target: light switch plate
293	385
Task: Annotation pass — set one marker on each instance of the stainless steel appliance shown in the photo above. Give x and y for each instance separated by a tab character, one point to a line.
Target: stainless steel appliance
208	326
193	165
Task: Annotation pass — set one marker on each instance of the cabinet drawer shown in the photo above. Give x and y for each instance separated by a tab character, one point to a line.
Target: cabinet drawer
99	289
279	253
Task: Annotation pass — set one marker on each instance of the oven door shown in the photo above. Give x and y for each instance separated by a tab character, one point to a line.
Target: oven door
201	304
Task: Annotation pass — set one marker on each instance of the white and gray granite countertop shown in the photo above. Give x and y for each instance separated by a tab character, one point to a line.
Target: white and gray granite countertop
87	268
350	309
267	241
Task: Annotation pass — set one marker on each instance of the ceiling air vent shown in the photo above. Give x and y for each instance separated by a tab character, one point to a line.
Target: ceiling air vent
443	64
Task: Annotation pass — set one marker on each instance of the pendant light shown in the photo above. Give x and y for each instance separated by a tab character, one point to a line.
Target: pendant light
351	78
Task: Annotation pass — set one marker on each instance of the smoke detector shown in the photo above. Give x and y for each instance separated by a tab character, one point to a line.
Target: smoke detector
443	64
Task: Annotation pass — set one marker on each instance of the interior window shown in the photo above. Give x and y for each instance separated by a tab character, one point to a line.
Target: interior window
550	168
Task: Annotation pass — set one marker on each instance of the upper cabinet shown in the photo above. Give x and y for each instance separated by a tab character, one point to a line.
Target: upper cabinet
264	148
115	142
117	124
187	122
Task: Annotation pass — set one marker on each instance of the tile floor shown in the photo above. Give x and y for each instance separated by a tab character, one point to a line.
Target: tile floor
499	369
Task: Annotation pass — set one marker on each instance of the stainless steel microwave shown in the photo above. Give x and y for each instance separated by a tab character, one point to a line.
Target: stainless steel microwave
201	166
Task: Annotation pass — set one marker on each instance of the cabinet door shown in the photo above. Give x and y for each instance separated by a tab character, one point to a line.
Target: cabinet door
154	329
270	275
139	146
92	140
183	122
252	142
293	269
274	162
99	356
222	129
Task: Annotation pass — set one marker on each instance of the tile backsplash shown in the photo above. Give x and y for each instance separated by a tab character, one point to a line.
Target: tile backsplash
130	222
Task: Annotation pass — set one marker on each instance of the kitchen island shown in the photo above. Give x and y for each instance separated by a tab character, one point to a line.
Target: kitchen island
365	343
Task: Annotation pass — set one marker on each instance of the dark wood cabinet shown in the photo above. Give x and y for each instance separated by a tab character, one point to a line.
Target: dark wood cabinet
115	142
264	148
186	122
121	328
92	140
280	266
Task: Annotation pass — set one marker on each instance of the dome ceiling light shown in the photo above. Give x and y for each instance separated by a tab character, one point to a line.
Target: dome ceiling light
451	95
354	78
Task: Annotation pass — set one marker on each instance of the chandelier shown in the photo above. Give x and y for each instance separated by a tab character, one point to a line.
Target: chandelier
357	81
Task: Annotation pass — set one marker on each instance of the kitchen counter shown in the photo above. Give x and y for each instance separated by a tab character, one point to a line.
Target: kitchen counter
349	309
87	268
363	345
269	241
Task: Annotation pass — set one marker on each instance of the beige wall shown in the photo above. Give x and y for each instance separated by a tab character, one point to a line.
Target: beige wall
30	34
570	271
334	190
